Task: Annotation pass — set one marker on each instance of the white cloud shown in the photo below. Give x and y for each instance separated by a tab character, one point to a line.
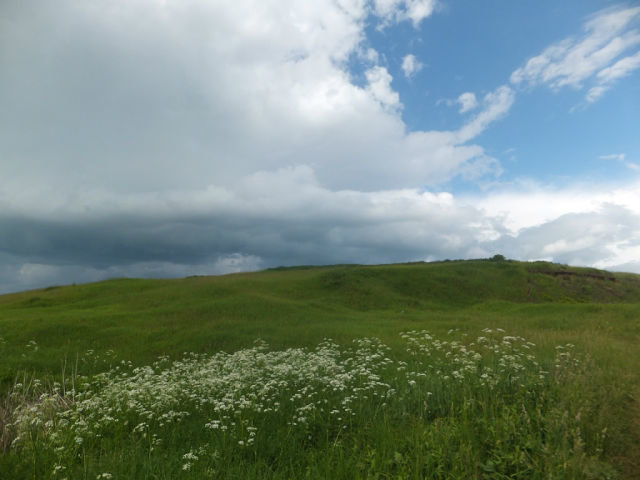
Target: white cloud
621	157
411	65
467	102
193	82
379	85
613	156
619	69
400	10
234	263
596	225
594	93
418	10
529	205
496	105
608	76
633	166
370	55
591	57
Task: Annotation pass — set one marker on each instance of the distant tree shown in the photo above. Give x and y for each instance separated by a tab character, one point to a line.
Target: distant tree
498	258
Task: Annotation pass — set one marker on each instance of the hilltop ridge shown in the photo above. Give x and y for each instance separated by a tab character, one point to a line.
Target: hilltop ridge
456	282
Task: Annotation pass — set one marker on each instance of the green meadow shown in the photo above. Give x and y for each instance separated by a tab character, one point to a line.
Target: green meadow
456	369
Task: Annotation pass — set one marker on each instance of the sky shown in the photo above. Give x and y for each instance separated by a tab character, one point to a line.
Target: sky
167	138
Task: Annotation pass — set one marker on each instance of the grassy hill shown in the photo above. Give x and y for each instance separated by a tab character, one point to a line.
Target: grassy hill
141	319
45	331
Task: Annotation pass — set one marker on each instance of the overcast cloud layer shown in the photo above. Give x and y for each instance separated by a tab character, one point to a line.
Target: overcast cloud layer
146	138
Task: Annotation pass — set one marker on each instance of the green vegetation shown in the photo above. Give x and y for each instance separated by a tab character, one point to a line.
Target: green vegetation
514	401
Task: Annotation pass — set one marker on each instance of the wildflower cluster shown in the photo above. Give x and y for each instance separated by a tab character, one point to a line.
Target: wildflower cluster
239	401
492	359
235	392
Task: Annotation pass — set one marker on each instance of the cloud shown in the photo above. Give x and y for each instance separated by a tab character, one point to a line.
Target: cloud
467	102
580	225
411	65
117	104
496	104
399	10
613	156
269	219
16	276
608	76
602	238
595	93
288	218
370	55
526	205
591	57
379	85
621	157
619	69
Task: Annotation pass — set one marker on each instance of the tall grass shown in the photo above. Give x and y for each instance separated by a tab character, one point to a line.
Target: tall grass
446	406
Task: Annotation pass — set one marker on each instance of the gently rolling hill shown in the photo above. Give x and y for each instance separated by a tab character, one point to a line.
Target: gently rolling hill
141	319
47	333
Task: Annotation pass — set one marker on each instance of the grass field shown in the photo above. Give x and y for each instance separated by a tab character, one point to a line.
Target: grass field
474	369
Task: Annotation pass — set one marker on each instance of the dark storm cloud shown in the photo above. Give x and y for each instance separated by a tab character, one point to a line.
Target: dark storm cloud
308	225
118	241
297	223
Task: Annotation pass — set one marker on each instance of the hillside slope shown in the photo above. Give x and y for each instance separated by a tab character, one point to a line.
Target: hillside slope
141	319
53	332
